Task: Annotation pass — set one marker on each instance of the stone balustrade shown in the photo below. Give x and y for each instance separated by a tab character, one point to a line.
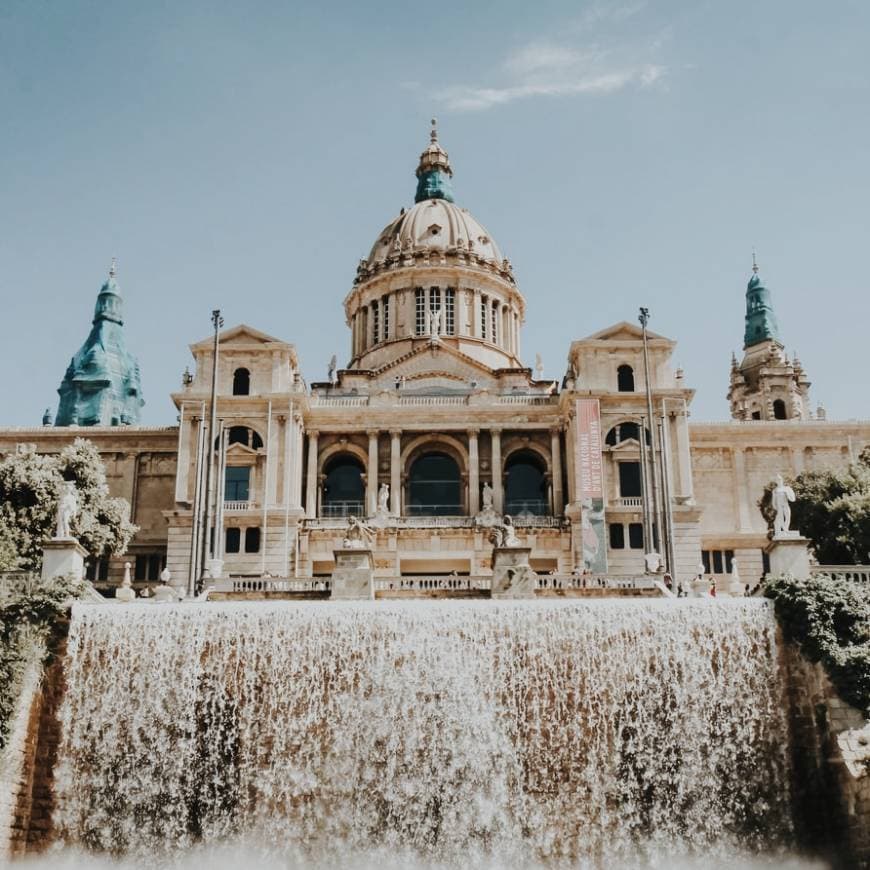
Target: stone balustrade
855	573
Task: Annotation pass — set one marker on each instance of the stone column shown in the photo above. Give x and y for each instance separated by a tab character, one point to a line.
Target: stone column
556	464
684	457
473	474
477	325
311	492
183	464
497	487
395	472
372	474
744	523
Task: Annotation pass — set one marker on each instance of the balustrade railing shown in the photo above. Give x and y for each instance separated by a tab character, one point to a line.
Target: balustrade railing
342	509
855	573
529	521
526	508
594	581
236	506
446	582
527	400
630	501
271	584
433	510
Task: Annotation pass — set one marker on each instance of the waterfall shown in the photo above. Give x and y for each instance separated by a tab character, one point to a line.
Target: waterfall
559	732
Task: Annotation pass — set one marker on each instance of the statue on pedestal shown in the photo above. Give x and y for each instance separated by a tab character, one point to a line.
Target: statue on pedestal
358	535
126	592
384	499
781	497
487	497
504	534
67	510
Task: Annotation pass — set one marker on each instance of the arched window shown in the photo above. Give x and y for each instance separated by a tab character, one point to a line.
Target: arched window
434	486
241	382
525	485
622	432
625	379
343	489
779	410
244	435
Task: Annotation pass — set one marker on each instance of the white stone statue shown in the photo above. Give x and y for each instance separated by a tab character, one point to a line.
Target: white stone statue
504	534
435	323
539	367
653	562
358	535
781	497
428	320
384	498
333	365
67	510
487	497
165	576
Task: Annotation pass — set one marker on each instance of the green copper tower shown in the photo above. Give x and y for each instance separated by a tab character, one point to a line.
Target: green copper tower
102	386
761	322
434	172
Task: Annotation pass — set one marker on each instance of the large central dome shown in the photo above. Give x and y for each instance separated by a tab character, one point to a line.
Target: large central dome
434	225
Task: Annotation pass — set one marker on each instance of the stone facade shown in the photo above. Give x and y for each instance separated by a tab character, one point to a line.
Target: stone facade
434	428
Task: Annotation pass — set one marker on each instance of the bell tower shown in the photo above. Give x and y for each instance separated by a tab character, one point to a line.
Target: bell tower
766	385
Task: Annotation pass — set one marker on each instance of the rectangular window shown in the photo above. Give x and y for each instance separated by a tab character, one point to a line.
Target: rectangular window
717	562
450	311
617	536
484	307
237	483
232	540
252	540
420	311
376	324
495	330
629	479
729	561
705	559
635	536
98	570
149	566
435	302
385	305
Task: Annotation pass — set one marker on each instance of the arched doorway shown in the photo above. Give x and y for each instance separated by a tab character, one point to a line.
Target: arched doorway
434	486
525	487
343	488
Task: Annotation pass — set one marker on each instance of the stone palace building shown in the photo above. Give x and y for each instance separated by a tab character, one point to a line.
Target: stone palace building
435	427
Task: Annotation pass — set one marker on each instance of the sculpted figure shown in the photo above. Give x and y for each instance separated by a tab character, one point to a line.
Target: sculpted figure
384	498
333	365
67	510
435	328
504	534
358	535
781	497
487	497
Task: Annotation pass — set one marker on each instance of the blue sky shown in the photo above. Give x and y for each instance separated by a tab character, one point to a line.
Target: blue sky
246	155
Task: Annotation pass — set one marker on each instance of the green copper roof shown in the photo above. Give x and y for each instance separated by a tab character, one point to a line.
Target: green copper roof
434	172
761	322
102	386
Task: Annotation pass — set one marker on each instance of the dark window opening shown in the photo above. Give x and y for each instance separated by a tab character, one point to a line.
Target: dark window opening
237	483
756	415
635	536
625	379
244	435
241	382
623	432
434	486
617	536
525	485
343	488
252	540
232	540
98	570
149	566
779	410
718	561
629	480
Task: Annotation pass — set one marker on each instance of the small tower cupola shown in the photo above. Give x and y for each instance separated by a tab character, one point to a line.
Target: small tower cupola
434	171
761	322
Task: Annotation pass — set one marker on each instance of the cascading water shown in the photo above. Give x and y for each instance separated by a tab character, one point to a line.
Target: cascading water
567	733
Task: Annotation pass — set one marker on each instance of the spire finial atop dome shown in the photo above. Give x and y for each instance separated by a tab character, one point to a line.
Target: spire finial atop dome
113	269
754	263
434	170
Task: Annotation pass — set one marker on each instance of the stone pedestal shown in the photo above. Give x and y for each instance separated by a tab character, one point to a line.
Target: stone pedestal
352	577
512	577
789	555
214	568
63	557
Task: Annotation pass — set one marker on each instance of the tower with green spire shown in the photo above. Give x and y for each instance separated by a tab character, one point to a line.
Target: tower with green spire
765	385
102	385
760	320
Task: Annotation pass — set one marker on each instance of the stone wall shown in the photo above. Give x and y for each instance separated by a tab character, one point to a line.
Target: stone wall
831	767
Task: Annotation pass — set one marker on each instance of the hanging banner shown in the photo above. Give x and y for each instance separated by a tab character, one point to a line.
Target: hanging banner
590	473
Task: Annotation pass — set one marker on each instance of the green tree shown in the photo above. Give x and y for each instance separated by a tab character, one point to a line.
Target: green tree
832	508
30	488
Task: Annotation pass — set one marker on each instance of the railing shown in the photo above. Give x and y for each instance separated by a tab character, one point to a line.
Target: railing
238	506
448	582
271	584
593	581
538	522
630	501
526	507
437	521
339	401
527	400
855	573
433	400
342	509
441	522
433	510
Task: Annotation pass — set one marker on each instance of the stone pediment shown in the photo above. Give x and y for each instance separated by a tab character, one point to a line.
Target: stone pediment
436	366
239	451
241	337
623	331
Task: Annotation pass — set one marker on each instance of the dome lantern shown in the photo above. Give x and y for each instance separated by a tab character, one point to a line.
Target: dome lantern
434	171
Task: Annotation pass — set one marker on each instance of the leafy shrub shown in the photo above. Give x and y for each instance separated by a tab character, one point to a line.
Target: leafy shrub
829	619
